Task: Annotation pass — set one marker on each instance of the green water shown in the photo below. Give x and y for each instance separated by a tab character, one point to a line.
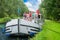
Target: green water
2	25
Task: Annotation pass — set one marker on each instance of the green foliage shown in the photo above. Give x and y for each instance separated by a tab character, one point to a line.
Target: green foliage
50	9
11	7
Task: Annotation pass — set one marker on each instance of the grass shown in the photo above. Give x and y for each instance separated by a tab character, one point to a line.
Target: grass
51	31
5	19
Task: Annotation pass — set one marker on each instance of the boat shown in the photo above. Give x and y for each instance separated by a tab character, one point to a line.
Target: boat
22	27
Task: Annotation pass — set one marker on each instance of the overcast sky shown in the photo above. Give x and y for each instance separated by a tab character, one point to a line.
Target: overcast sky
32	5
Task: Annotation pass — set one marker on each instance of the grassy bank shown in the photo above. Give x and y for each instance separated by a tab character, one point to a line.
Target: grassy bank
51	31
5	19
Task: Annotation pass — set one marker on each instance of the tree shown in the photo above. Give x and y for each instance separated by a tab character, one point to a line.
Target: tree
10	7
51	9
